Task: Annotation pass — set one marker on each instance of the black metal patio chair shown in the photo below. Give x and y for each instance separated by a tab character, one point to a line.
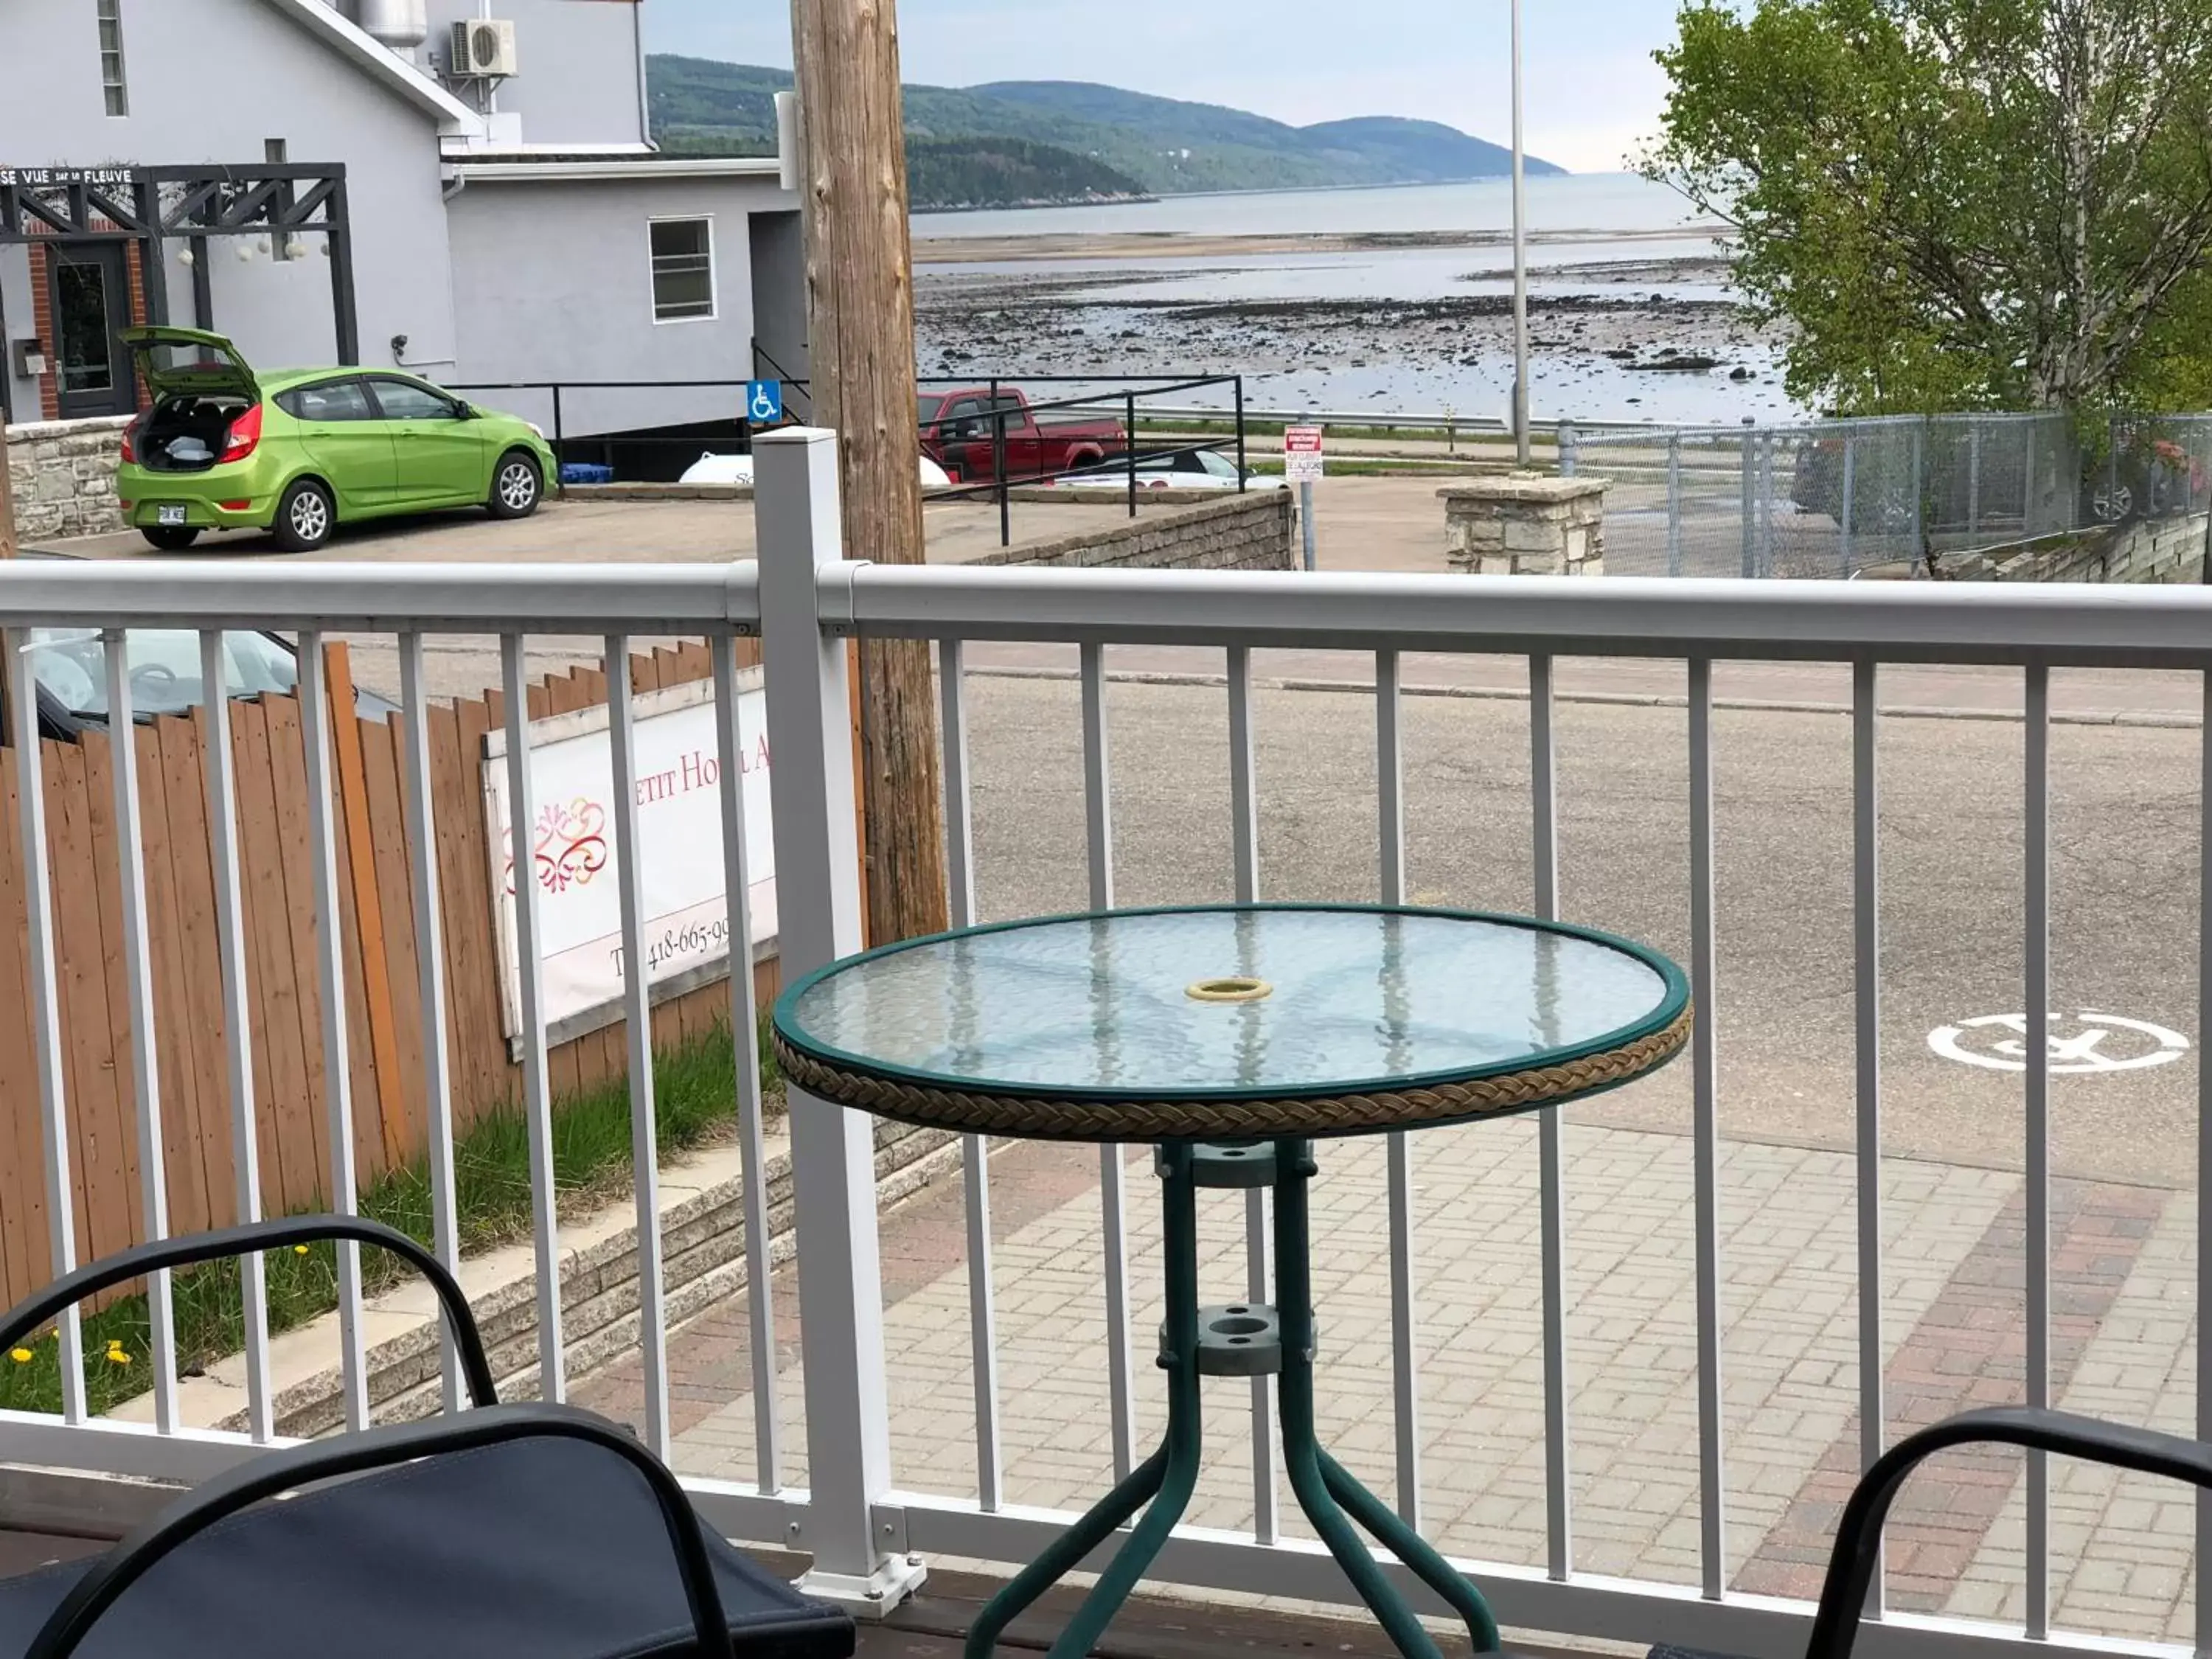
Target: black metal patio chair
523	1529
1858	1552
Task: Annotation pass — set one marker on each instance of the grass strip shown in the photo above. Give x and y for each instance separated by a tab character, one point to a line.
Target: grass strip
695	1101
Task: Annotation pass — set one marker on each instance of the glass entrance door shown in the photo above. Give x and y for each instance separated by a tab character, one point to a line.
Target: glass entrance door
91	301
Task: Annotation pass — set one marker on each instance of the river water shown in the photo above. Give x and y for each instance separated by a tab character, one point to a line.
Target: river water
1600	202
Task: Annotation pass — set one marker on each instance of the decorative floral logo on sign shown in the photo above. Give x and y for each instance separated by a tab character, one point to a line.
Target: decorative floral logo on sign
571	845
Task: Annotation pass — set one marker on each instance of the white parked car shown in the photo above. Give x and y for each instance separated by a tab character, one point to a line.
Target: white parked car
739	470
1200	469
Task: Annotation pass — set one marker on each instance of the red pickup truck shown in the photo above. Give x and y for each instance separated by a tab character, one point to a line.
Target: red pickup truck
959	432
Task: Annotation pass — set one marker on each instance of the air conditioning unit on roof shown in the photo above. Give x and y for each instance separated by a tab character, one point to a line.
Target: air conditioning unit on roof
484	50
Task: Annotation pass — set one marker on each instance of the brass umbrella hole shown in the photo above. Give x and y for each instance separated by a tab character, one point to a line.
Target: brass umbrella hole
1229	990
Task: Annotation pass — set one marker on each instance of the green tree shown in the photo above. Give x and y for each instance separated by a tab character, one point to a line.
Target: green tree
1958	204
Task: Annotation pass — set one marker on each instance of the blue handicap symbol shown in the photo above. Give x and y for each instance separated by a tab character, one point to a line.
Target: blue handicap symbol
765	400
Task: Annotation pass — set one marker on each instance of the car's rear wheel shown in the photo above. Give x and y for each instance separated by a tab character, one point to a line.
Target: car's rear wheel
2112	501
170	538
517	487
304	517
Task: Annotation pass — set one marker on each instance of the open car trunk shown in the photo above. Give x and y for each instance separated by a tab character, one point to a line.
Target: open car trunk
200	386
185	432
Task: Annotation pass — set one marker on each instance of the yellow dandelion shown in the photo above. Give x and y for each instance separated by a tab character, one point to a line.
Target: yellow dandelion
299	1249
116	1356
21	1356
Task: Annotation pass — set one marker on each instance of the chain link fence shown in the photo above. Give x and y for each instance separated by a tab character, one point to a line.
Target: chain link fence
1840	498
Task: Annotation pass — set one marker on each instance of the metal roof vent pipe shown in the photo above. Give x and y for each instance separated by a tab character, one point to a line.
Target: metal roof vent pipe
402	25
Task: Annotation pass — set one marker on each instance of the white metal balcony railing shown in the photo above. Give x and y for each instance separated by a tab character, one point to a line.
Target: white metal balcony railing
805	600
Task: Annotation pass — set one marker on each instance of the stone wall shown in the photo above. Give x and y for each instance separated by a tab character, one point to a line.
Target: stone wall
1526	525
64	474
1255	531
2153	550
1178	530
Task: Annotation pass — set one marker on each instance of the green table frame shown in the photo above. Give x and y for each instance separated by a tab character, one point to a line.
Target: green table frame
1331	1497
1254	1135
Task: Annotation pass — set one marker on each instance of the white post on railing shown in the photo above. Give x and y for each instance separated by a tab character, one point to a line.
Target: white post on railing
818	873
41	967
2203	1631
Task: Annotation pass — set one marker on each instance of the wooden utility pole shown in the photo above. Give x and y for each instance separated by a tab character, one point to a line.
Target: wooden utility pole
859	293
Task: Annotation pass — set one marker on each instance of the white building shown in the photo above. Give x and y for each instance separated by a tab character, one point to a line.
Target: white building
476	198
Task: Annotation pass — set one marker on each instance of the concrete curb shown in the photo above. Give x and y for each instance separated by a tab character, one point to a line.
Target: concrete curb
703	1262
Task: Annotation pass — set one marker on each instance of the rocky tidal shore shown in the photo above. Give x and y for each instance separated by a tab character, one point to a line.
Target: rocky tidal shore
1588	341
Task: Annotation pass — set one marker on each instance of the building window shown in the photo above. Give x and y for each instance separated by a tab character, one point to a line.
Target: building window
683	270
111	58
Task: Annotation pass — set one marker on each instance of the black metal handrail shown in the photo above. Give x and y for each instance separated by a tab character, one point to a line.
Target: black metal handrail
1109	393
1004	485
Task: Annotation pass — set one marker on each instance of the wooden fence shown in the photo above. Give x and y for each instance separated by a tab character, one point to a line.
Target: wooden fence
377	928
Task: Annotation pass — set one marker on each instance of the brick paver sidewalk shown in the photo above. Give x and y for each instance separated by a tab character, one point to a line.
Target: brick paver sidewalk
2122	1295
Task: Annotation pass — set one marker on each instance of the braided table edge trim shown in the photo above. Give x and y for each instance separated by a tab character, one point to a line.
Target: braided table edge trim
1167	1120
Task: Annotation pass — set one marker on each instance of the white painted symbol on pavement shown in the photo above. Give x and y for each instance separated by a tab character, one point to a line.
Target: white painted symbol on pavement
2094	1043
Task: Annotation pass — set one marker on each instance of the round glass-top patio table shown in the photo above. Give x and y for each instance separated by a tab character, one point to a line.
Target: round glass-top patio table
1233	1037
1232	1022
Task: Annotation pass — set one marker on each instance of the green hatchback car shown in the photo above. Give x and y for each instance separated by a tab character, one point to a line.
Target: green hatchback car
298	452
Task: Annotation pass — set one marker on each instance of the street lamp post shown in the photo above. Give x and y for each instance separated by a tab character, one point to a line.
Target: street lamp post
1520	266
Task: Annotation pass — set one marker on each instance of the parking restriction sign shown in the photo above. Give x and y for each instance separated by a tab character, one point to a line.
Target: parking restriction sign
764	401
1301	454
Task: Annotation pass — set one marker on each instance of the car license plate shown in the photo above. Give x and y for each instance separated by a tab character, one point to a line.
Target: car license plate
168	515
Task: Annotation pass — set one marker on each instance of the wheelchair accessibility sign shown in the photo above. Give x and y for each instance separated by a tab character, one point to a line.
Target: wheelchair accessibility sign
764	401
2087	1043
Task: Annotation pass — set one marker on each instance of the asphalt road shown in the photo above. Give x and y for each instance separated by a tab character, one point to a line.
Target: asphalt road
2125	832
2124	883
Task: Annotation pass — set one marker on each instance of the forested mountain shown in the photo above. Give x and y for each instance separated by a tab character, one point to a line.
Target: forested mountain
1158	145
990	172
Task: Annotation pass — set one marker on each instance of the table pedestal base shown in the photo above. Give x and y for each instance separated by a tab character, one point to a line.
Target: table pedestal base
1162	1483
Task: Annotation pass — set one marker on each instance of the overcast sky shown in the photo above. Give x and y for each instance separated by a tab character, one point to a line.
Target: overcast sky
1593	91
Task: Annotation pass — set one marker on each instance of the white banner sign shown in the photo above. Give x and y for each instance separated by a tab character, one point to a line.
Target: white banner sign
1304	460
679	829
